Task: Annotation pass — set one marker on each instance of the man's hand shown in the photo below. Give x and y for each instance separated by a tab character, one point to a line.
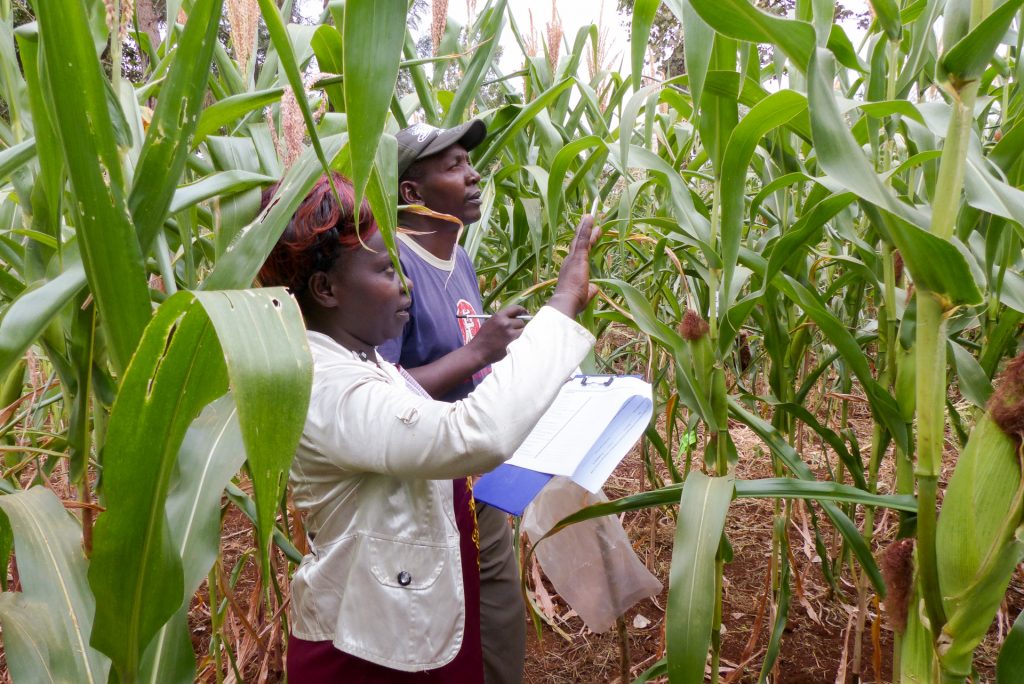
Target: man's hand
574	289
496	333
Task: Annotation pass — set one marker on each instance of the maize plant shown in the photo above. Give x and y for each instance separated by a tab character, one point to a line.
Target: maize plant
804	213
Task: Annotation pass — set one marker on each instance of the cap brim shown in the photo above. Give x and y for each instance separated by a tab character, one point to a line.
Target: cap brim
469	135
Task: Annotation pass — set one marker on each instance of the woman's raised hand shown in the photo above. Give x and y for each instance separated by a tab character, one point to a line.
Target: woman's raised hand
574	289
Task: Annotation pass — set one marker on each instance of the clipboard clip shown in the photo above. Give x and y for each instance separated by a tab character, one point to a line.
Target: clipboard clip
593	380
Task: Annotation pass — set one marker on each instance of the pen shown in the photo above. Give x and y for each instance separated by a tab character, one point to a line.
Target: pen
486	316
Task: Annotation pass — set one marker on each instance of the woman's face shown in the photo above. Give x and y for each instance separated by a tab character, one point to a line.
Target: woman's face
371	306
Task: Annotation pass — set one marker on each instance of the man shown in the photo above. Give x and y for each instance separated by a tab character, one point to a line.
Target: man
448	352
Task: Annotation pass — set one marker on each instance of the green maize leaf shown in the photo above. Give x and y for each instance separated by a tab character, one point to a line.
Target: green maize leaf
937	266
838	153
326	44
771	653
644	314
211	453
628	118
956	20
245	504
1007	152
791	459
271	373
382	193
16	156
695	224
853	465
773	186
230	109
14	88
691	594
425	95
918	652
987	192
29	314
170	657
372	38
839	45
486	34
216	185
921	35
823	18
136	573
882	403
52	568
805	232
887	14
30	631
739	19
658	669
238	266
697	46
571	66
195	344
971	378
110	247
639	34
1010	666
691	388
719	109
789	488
526	116
166	147
968	59
770	113
559	169
48	186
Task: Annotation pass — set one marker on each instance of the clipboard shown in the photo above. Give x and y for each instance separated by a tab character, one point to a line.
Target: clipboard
589	428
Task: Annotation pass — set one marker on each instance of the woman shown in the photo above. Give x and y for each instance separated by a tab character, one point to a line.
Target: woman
390	590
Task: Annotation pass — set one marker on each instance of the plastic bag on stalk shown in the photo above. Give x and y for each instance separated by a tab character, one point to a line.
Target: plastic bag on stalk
591	564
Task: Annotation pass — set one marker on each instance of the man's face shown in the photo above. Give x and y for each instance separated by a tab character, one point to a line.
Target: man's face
449	184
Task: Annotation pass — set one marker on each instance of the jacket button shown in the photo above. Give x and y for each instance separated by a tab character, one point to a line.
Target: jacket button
404	578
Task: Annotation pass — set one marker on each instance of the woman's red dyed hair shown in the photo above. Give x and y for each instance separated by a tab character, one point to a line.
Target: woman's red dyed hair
320	230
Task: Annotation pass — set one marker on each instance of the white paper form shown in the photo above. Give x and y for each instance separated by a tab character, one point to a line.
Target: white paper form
588	429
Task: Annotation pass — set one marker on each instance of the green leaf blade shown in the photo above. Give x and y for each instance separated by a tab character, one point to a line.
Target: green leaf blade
372	40
691	595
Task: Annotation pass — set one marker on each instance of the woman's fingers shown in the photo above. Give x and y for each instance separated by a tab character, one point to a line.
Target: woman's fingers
585	233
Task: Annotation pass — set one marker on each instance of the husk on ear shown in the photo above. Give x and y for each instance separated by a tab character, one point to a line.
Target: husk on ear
980	537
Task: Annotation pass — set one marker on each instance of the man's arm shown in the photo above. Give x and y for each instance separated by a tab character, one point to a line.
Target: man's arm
440	377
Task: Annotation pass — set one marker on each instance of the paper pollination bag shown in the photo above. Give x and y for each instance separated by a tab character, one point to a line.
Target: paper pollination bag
591	564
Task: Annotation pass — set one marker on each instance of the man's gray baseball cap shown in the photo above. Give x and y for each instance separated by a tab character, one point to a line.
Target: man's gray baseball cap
423	140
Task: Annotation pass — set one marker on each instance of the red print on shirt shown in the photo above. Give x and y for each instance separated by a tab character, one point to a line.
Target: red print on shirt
470	327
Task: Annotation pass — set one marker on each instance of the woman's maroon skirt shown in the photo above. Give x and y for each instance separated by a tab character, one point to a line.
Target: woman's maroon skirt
313	662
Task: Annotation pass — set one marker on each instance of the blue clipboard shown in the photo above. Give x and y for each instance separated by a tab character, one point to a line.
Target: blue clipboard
510	488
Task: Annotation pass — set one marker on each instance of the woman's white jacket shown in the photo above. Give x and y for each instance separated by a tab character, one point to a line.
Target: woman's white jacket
373	476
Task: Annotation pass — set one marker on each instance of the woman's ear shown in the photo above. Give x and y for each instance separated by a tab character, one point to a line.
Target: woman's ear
320	291
408	193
